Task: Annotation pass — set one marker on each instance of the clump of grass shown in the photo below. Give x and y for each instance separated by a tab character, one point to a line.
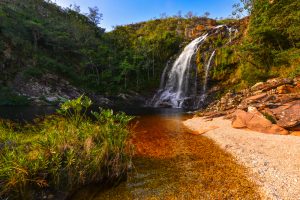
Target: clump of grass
64	151
269	117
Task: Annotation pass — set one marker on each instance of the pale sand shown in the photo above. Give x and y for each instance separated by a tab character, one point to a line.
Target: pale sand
273	160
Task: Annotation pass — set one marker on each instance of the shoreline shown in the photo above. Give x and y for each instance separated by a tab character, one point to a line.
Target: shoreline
273	161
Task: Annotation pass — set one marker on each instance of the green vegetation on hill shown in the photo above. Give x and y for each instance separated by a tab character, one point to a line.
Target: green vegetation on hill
38	37
272	42
267	45
63	152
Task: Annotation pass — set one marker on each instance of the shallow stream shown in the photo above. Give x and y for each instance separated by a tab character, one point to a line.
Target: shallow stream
169	162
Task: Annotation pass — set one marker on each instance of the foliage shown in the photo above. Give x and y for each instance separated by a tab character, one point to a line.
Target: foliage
8	97
271	46
63	152
39	37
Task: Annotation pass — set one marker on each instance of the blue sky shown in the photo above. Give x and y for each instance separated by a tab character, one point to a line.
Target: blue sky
120	12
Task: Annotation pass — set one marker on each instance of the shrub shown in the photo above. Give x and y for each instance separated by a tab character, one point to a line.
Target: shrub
33	72
64	151
8	97
269	117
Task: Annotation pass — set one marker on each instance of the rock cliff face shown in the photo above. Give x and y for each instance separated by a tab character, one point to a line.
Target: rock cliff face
48	89
276	103
194	31
51	89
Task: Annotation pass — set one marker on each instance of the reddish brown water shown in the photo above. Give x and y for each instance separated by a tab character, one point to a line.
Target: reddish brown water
170	163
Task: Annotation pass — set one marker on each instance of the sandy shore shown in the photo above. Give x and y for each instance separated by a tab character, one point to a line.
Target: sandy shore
273	160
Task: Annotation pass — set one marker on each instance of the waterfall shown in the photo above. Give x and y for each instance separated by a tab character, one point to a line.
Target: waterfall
178	86
207	69
175	84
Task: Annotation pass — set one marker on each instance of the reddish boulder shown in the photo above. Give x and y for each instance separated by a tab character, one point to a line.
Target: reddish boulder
239	119
278	130
288	115
256	122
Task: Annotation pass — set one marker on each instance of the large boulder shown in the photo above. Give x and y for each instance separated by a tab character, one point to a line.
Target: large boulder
288	115
256	122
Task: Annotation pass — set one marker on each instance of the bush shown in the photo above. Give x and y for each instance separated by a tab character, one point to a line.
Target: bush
33	72
64	151
8	97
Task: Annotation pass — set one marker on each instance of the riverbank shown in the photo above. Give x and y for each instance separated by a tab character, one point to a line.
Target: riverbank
273	161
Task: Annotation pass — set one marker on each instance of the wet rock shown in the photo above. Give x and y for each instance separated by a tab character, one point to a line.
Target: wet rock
165	105
100	100
52	99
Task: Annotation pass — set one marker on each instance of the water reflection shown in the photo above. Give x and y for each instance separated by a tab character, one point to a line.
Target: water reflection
25	113
28	113
170	163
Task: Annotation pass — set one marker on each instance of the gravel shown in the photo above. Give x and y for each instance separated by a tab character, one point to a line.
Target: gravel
273	160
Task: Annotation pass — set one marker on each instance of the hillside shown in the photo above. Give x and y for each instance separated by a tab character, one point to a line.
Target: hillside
47	48
41	40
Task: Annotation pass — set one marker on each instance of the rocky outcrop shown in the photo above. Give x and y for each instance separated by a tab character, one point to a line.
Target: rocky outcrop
275	101
48	89
257	122
288	115
51	90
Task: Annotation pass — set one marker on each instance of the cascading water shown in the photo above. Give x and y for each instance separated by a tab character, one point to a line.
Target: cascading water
174	88
207	69
179	81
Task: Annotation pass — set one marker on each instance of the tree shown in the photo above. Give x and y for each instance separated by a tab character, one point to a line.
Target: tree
76	8
126	67
242	9
163	15
179	14
94	16
189	15
206	14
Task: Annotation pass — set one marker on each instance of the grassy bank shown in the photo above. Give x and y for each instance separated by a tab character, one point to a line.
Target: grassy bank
63	151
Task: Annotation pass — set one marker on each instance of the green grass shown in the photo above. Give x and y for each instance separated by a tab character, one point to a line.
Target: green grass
63	152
